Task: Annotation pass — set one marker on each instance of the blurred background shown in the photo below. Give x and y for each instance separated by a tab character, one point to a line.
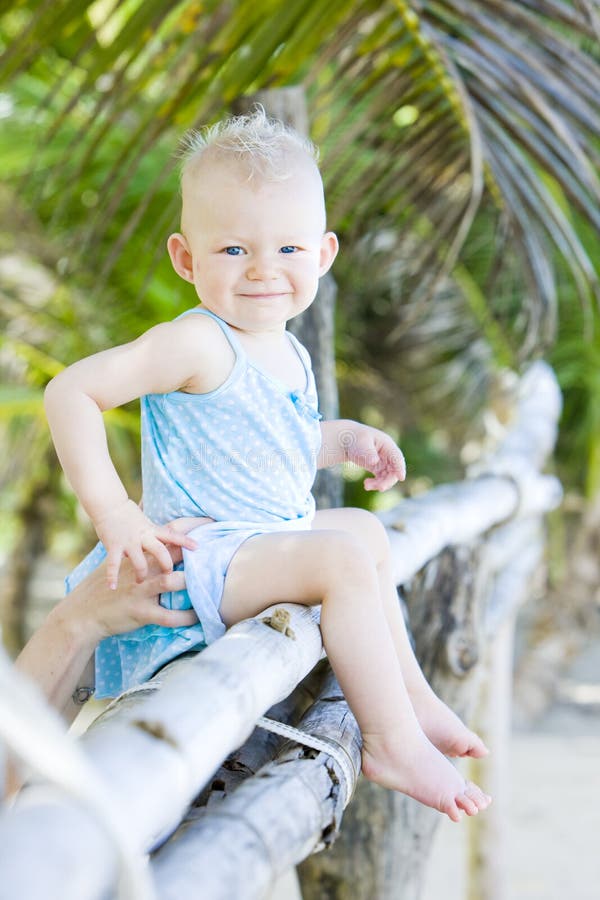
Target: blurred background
460	149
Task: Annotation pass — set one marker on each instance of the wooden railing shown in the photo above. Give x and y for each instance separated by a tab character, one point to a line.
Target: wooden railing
159	772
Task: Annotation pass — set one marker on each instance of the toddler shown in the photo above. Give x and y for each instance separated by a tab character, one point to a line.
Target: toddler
231	431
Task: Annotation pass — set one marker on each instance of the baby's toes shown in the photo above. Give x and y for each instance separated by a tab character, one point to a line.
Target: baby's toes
477	796
467	743
476	748
452	809
464	802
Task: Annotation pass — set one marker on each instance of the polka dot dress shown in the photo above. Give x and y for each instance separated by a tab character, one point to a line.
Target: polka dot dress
244	455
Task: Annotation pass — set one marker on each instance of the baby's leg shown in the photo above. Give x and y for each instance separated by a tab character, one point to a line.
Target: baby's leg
332	567
440	724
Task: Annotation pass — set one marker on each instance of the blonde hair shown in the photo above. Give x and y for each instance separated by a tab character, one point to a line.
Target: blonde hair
261	146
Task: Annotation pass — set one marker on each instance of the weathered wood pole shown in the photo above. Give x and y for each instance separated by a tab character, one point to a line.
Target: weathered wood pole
72	801
268	823
488	835
152	753
487	842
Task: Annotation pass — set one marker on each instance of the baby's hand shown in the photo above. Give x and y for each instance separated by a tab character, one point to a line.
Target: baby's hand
375	451
125	531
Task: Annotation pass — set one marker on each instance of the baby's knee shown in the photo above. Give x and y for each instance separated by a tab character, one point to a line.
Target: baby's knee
372	533
345	559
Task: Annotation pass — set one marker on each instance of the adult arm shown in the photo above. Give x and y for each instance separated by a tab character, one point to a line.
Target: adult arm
58	655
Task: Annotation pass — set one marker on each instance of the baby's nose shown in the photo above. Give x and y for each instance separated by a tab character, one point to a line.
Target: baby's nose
262	268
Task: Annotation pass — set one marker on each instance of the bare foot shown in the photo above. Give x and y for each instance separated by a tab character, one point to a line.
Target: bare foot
444	728
413	766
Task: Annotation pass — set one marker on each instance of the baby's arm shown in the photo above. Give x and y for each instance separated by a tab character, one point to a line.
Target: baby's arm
343	440
75	400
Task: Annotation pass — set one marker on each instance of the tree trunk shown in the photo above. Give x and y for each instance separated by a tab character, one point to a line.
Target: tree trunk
315	328
33	516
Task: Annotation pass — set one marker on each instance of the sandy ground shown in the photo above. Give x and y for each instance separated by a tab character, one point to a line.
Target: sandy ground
554	803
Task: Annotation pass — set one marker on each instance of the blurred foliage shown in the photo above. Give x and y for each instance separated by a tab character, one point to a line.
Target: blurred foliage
460	154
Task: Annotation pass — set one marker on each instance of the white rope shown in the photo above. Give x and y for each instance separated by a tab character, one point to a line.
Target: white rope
332	748
147	687
324	745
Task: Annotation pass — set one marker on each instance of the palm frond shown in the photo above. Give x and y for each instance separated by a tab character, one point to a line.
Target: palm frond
422	110
533	88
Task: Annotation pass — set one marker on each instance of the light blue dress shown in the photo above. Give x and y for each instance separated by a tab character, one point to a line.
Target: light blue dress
244	455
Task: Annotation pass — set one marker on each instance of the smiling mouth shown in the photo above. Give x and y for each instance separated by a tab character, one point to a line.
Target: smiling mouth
265	296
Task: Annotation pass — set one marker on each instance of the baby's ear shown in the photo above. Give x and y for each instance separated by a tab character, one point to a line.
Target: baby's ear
181	257
329	250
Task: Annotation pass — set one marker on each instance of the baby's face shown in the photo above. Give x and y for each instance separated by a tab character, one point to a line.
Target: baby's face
257	248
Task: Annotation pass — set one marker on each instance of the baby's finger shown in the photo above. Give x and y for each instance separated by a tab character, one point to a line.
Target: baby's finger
370	460
160	553
399	466
138	561
188	523
380	483
113	565
387	481
169	535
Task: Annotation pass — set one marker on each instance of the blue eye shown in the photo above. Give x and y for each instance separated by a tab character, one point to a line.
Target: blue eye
233	251
288	249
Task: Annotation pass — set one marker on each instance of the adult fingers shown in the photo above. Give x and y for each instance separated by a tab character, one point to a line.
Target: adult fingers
165	581
172	618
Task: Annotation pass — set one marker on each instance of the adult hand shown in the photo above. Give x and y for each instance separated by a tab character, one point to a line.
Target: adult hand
101	611
60	653
126	532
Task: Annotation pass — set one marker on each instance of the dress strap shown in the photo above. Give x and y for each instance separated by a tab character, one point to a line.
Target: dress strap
300	350
225	328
